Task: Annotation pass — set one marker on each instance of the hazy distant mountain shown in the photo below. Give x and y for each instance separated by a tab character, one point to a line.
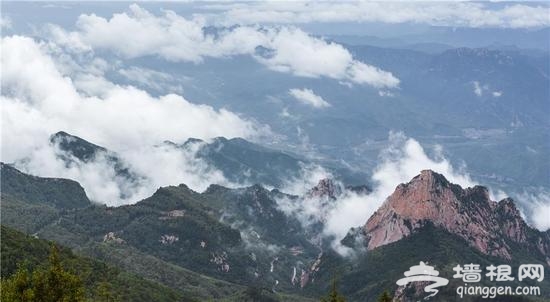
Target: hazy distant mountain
437	102
239	160
75	149
244	162
452	37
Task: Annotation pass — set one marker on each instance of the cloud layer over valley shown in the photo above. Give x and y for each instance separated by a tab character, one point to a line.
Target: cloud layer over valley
61	79
61	82
139	33
39	100
401	160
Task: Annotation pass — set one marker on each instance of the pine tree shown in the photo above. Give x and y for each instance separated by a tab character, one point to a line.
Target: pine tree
103	293
18	287
334	296
52	284
385	297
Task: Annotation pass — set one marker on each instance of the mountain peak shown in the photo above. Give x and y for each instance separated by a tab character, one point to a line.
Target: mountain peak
429	198
429	179
78	147
507	206
325	188
432	174
193	140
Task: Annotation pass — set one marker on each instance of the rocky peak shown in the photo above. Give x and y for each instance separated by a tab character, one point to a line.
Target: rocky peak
78	147
325	188
511	221
430	198
216	189
76	150
507	209
193	140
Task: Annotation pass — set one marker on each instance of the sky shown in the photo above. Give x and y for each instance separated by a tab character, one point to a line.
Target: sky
56	58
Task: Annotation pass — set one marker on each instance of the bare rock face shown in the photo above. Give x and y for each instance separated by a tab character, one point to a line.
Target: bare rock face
469	213
325	188
412	292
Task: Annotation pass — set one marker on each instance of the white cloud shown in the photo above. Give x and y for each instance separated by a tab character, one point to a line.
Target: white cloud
541	215
92	85
155	166
152	79
385	93
310	175
70	40
536	205
400	161
294	51
403	159
38	100
478	89
284	113
464	14
5	22
308	97
139	33
32	81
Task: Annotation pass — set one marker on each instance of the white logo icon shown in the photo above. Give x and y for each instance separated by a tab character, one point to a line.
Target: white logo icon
422	273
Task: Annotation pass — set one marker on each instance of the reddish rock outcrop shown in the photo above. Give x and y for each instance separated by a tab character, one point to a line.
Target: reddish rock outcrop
325	188
469	213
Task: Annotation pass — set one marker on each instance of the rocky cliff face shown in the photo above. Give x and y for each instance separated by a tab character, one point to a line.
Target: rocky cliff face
325	188
429	198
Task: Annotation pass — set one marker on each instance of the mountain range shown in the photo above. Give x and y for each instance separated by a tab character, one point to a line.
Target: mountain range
235	244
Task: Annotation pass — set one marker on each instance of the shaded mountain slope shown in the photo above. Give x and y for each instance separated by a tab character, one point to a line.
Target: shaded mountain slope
380	268
236	244
56	192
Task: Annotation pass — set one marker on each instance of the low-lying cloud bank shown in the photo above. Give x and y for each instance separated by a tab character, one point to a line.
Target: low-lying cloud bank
39	98
403	159
138	33
400	161
536	205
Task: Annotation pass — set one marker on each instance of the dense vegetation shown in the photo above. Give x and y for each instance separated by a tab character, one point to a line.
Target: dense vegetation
380	268
223	245
52	283
334	295
33	268
57	192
